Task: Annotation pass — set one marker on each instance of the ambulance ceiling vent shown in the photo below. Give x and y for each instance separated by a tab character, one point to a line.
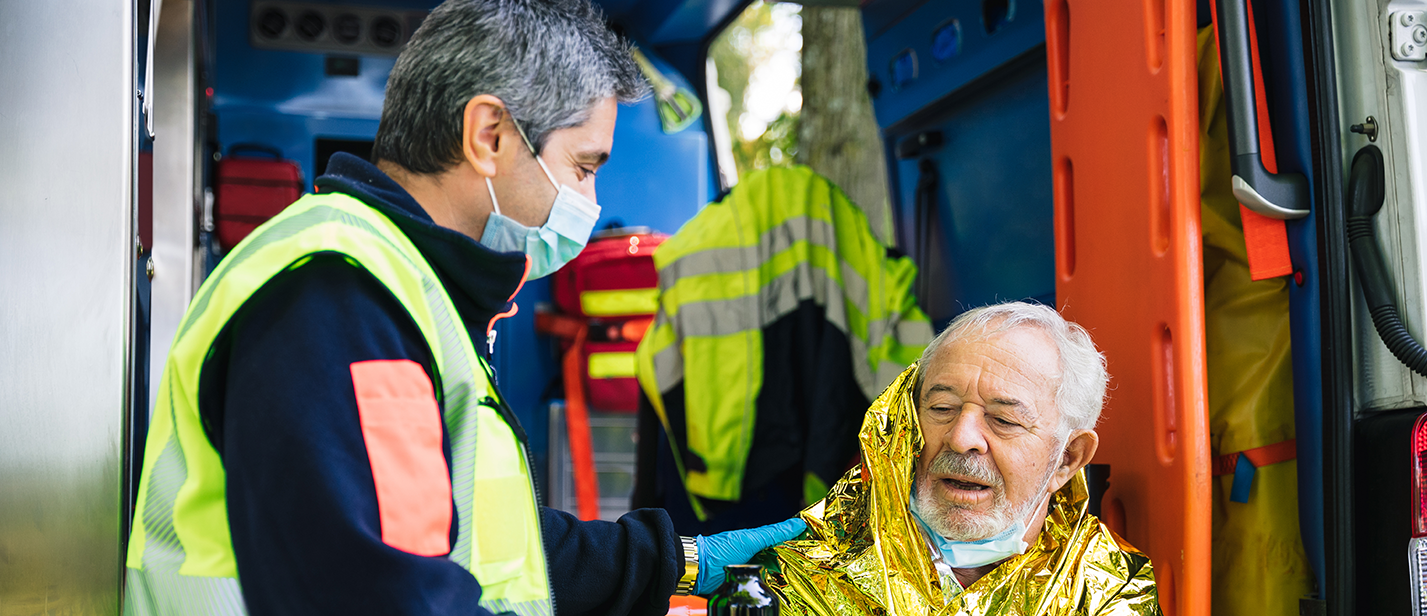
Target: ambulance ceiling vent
326	28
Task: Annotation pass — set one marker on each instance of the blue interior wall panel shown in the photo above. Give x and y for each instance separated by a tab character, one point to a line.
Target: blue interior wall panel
1280	27
663	22
994	235
893	27
994	203
284	99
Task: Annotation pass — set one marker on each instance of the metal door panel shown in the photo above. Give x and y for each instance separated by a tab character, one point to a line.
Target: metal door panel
1371	82
1124	143
67	150
177	188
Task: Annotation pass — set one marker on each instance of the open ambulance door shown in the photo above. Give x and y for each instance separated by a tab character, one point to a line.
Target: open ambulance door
1124	146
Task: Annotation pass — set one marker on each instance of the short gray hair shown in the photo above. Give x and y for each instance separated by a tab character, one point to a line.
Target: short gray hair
550	61
1080	390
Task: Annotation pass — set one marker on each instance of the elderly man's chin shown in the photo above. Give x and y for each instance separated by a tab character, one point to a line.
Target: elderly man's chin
962	517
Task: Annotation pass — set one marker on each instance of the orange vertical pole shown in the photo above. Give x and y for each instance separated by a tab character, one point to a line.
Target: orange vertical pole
1129	267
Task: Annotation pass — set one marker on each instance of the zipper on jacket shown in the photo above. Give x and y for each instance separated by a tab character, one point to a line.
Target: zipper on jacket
508	414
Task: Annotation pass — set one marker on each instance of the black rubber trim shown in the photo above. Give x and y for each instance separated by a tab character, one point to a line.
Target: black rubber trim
1335	301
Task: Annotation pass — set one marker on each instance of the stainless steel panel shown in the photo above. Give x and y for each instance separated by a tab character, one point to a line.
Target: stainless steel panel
1372	83
177	191
67	139
613	438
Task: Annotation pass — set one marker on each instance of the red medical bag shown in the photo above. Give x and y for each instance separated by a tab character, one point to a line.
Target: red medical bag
614	287
613	278
607	297
252	189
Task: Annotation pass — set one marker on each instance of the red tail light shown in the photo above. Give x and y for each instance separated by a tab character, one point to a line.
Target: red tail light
1417	546
1419	477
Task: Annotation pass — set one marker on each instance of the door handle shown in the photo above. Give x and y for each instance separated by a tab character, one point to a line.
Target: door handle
1276	195
155	6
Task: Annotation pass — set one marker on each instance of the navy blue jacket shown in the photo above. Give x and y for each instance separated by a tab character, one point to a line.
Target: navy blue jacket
277	401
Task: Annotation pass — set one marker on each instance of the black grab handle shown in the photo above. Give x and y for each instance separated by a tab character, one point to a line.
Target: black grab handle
1276	195
1366	190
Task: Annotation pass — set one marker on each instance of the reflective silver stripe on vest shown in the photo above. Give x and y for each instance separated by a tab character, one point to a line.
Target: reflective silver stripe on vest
155	593
170	470
778	298
815	231
162	549
523	608
283	230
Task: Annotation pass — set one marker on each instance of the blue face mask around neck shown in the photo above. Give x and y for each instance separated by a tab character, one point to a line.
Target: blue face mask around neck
553	244
972	554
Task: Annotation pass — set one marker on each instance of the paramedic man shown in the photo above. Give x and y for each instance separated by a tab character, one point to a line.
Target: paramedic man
317	436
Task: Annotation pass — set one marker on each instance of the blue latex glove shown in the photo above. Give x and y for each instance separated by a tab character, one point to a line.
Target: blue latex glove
736	547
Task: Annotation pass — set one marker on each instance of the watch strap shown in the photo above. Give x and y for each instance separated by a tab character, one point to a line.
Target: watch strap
691	567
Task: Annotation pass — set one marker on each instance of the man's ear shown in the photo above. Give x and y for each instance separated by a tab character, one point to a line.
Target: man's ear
481	133
1079	450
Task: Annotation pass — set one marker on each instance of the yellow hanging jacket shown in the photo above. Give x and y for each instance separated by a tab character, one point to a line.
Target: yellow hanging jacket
780	317
863	552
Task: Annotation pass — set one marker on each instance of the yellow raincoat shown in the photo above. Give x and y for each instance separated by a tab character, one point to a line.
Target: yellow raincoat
863	552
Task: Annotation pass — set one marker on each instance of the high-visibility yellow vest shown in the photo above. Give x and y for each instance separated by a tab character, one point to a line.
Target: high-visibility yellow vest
180	558
781	237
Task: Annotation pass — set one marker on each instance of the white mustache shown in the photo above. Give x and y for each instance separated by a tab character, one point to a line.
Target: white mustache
973	466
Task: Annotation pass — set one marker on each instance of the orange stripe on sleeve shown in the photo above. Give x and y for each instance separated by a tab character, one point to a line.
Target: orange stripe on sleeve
401	426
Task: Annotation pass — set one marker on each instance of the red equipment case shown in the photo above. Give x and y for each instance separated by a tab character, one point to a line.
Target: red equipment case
614	287
614	277
608	296
250	190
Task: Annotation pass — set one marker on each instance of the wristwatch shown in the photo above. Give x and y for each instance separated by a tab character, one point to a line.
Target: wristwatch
691	567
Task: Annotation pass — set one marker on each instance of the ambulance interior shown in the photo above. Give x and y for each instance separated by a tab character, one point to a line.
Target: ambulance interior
1042	151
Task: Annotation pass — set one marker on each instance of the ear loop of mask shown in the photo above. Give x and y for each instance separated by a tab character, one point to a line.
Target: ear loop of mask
550	176
526	139
495	204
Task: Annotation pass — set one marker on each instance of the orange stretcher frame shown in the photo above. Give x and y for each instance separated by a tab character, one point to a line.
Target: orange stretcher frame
1129	266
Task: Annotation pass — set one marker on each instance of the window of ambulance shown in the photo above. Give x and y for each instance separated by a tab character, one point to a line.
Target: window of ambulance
754	70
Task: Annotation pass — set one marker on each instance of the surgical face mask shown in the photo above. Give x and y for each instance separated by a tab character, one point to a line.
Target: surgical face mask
553	244
971	554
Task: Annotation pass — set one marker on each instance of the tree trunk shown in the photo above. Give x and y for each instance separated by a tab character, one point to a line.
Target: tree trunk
839	136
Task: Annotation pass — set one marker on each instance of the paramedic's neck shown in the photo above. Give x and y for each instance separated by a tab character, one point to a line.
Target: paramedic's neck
967	577
455	198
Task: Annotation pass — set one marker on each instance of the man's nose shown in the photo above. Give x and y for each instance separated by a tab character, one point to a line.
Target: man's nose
966	435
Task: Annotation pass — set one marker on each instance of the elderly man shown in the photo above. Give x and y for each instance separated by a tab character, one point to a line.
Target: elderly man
971	483
329	437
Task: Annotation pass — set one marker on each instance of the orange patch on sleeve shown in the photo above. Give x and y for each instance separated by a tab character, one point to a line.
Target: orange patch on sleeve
401	426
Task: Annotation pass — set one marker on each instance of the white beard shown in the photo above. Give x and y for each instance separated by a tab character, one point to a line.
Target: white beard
958	522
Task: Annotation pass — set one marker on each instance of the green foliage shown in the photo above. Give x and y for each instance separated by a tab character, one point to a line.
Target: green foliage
737	53
776	147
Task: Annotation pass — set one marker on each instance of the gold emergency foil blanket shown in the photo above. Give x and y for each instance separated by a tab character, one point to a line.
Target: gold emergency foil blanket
864	554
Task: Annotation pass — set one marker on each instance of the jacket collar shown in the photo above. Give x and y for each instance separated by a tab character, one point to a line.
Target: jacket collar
481	282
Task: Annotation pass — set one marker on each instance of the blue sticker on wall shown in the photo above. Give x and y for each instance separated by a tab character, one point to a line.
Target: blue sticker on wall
946	41
903	69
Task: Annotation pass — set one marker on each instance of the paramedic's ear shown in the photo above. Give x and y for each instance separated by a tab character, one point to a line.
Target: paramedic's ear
481	133
1079	449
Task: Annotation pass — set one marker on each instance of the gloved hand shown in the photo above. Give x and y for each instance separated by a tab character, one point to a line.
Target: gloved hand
736	547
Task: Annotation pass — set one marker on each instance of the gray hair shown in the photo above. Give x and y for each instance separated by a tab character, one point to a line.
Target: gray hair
1080	390
550	61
